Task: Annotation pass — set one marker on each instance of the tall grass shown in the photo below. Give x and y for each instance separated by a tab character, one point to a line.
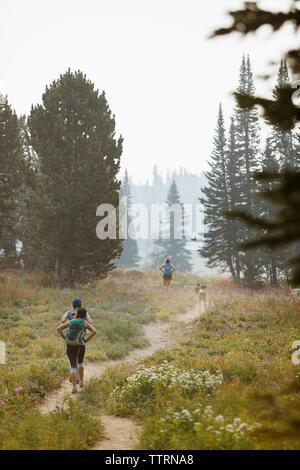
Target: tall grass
30	311
248	336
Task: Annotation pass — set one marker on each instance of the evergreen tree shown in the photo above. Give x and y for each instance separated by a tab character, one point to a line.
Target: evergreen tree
158	188
173	246
73	135
30	259
234	188
129	256
297	150
283	141
12	170
273	260
285	144
156	256
247	132
219	239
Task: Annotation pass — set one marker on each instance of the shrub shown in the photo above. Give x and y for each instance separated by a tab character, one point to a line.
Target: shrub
147	382
198	428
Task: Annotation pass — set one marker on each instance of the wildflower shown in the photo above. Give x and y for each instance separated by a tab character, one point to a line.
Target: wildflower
219	419
229	428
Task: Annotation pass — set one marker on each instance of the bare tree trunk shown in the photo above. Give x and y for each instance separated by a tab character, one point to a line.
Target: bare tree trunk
274	280
64	271
238	268
232	271
10	250
56	270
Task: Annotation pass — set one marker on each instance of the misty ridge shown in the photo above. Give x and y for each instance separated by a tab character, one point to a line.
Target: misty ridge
188	185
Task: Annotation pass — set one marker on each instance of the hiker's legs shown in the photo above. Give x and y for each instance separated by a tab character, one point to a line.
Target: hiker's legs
72	353
77	375
80	362
169	278
73	377
166	281
81	372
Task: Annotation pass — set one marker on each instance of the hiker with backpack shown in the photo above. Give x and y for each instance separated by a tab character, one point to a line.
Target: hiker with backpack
70	315
75	340
167	269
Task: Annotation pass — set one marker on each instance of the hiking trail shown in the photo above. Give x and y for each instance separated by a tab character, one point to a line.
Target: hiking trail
122	433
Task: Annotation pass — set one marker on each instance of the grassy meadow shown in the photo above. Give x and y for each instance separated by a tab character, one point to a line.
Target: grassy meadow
230	384
30	311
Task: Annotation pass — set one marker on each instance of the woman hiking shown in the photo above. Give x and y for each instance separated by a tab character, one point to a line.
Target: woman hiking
70	315
76	341
167	269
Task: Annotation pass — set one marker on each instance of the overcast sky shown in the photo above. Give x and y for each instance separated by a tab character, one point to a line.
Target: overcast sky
163	78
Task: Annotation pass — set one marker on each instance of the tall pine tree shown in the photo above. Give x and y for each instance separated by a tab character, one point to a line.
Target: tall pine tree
129	256
273	260
172	245
234	189
247	131
219	245
12	171
283	141
73	135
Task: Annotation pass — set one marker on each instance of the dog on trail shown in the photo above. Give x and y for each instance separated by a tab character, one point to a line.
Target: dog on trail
295	292
201	291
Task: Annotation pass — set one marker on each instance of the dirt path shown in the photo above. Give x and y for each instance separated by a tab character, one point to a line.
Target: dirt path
122	433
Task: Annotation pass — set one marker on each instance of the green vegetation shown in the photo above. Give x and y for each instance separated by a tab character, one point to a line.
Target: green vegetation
248	336
212	391
75	166
30	311
72	428
281	192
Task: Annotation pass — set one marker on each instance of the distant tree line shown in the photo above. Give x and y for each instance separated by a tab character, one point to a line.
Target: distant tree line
167	243
156	192
130	256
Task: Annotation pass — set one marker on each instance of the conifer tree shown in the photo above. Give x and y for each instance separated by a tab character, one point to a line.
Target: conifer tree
12	170
247	136
273	260
247	132
219	239
234	188
158	188
30	258
129	256
73	135
174	246
284	229
297	150
283	141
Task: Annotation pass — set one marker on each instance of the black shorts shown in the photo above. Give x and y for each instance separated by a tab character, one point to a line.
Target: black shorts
75	355
167	277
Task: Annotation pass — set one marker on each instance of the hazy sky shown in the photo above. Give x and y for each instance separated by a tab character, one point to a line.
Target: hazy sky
163	78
